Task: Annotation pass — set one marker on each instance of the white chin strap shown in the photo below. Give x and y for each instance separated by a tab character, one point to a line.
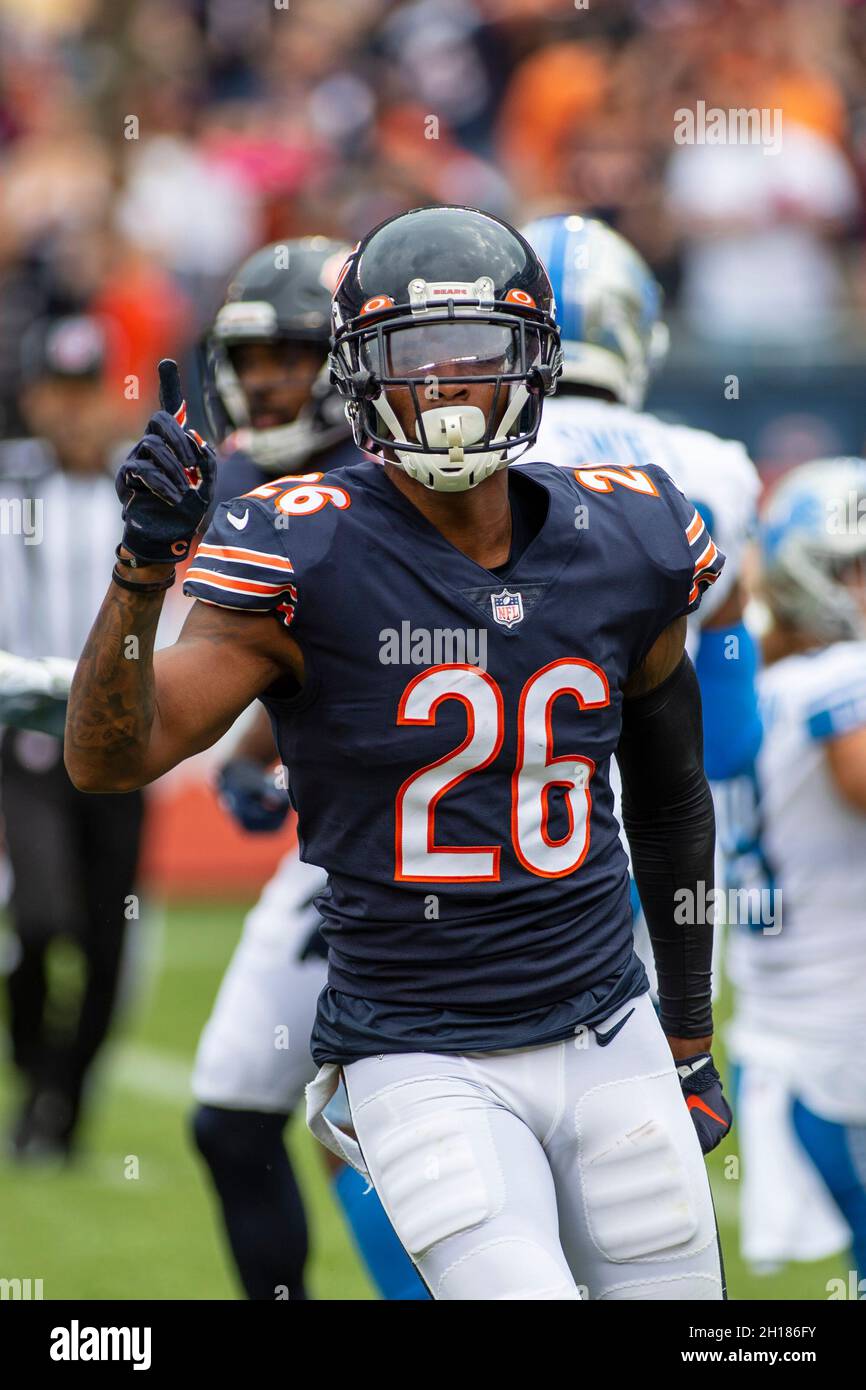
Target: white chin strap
455	428
287	448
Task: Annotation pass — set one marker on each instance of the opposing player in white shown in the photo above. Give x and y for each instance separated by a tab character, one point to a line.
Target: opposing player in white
609	307
799	828
33	692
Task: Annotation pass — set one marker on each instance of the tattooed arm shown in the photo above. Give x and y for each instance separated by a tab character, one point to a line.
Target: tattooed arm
133	715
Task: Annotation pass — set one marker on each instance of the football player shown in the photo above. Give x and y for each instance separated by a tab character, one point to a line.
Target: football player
799	961
267	393
516	1100
272	407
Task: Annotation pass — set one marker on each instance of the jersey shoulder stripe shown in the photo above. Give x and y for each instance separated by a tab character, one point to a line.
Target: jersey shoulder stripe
707	560
243	556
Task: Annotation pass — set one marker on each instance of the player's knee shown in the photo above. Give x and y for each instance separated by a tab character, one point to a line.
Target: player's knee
697	1287
508	1269
236	1138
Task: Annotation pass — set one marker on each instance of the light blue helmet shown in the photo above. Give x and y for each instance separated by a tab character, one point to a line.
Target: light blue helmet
813	527
608	305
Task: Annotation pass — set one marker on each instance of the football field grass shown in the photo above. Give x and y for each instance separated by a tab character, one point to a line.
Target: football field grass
133	1219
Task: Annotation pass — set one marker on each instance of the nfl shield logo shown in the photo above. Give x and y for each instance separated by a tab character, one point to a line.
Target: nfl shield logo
507	608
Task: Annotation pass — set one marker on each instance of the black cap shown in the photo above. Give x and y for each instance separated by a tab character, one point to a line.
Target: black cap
67	347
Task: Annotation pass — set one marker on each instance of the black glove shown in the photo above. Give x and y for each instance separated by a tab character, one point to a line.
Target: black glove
702	1088
166	482
249	794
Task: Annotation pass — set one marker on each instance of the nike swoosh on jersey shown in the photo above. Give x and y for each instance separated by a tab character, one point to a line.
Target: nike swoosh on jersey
239	522
604	1038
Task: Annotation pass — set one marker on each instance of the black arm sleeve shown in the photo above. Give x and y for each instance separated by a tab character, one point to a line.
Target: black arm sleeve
668	818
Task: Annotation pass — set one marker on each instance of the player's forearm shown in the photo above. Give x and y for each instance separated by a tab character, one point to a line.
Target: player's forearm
110	718
672	855
668	817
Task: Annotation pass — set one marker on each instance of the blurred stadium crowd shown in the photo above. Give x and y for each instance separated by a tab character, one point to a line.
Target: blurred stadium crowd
146	147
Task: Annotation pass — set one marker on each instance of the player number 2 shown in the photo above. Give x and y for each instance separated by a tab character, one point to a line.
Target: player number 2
536	774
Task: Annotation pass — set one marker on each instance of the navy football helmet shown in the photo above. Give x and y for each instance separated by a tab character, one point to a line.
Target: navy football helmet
436	298
281	294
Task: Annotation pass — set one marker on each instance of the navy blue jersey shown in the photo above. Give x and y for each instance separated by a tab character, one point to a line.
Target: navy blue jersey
237	472
449	752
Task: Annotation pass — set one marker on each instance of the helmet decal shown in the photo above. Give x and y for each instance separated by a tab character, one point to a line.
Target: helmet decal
520	297
379	301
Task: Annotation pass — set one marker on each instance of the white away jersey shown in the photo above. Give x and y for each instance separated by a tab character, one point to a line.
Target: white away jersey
716	475
802	983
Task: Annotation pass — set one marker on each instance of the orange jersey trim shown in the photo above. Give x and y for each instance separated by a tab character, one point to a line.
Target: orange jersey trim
254	587
695	527
246	557
706	558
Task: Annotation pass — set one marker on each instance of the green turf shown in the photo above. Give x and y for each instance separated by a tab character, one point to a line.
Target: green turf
133	1219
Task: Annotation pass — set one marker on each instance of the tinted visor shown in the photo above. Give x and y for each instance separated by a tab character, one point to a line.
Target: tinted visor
458	348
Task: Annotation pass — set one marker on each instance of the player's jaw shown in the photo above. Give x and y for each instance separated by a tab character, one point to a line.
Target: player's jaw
465	392
477	520
276	379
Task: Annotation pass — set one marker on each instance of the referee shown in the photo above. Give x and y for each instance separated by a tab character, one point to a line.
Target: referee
73	857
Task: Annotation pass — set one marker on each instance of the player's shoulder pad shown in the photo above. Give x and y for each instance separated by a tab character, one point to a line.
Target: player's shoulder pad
242	561
715	447
667	527
253	553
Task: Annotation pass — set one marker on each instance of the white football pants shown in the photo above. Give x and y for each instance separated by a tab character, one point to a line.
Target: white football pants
254	1053
566	1171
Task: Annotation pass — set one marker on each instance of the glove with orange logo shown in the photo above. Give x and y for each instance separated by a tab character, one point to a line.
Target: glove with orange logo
702	1089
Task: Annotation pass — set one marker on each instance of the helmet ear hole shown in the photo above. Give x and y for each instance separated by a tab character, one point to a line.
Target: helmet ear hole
539	379
365	384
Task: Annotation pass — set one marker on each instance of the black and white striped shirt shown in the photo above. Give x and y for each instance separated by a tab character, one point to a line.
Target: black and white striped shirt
58	532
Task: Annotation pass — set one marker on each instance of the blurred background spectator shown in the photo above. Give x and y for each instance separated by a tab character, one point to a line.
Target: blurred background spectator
146	147
73	857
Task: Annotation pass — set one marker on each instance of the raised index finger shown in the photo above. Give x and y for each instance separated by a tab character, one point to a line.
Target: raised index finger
170	394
